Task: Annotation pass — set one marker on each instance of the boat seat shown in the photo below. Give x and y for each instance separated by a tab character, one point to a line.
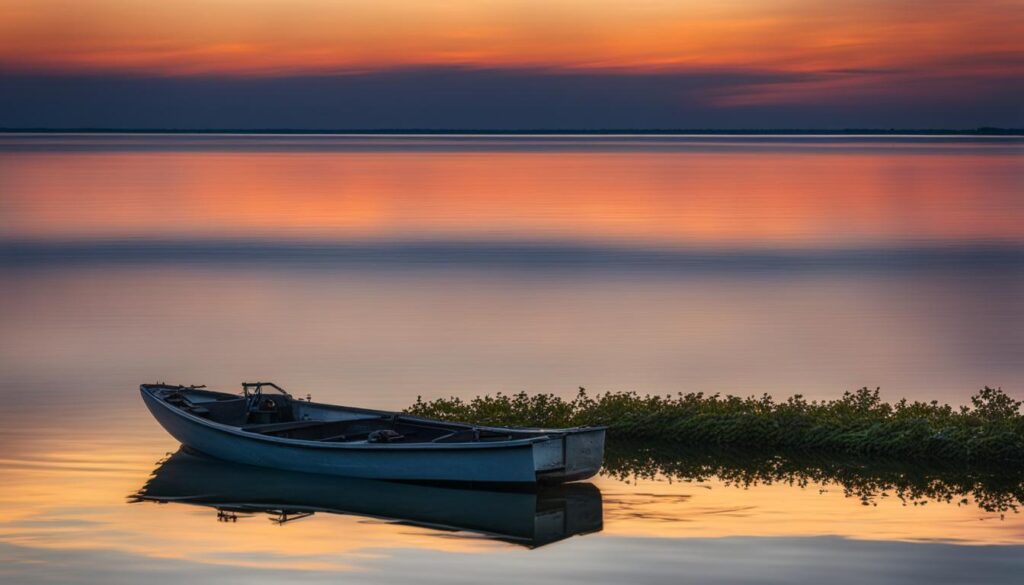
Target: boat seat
200	399
285	426
361	438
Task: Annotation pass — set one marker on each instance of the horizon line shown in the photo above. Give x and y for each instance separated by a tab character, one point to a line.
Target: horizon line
978	131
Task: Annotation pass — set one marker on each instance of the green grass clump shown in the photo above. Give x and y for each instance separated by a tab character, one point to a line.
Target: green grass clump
990	430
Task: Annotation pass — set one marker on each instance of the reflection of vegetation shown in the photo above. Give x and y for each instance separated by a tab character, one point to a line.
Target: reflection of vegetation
994	490
989	432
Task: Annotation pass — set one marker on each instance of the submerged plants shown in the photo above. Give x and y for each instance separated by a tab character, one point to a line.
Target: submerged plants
988	431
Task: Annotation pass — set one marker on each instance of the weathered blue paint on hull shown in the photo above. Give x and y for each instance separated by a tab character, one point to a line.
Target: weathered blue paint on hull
518	461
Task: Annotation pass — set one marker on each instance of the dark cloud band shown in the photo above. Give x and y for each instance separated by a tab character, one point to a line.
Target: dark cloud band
514	99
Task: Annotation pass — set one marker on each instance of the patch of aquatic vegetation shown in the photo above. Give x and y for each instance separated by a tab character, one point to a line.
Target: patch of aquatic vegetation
990	431
997	489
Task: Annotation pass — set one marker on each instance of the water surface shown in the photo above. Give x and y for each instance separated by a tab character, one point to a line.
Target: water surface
371	270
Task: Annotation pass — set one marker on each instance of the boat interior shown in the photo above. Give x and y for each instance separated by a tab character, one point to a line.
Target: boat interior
265	408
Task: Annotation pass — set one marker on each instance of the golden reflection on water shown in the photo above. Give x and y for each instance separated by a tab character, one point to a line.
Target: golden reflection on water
51	504
63	495
711	509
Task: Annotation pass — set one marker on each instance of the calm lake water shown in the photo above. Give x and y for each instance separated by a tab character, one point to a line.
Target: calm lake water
370	270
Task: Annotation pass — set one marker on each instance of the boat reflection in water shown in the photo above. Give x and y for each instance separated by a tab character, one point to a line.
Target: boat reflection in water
532	518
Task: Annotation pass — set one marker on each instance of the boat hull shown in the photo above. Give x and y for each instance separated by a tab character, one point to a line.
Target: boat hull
575	454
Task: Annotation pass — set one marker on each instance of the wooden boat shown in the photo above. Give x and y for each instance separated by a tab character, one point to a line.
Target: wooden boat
268	427
529	517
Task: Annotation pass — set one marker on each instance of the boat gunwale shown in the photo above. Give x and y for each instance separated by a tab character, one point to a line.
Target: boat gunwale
149	390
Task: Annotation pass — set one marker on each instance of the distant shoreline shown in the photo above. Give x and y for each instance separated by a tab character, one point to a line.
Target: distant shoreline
985	131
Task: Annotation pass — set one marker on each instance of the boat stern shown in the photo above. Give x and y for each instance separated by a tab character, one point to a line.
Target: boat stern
573	455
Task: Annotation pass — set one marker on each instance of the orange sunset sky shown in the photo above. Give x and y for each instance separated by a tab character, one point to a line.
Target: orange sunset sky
689	62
